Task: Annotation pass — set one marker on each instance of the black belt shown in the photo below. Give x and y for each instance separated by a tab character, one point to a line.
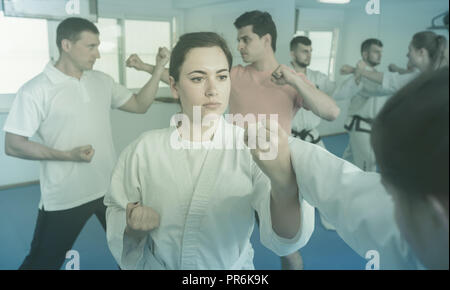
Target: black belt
305	133
356	122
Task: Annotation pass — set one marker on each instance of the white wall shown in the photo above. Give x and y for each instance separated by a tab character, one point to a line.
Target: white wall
398	21
220	18
394	26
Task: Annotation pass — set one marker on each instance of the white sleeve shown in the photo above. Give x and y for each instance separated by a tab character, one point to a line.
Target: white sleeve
392	82
261	203
119	94
125	188
347	89
354	202
26	114
326	85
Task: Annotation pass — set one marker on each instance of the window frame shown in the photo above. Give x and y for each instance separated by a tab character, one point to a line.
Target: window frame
7	98
162	91
333	49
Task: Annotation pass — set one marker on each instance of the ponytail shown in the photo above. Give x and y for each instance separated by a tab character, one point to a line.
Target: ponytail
441	60
435	45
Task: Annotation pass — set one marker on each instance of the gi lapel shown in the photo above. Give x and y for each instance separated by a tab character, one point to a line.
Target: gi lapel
203	190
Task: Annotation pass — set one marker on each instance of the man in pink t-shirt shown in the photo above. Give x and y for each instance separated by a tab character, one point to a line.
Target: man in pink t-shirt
266	87
253	92
254	89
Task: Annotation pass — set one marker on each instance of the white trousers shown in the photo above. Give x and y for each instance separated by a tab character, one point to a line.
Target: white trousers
359	150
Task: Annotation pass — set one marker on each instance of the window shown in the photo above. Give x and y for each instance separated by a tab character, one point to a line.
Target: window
324	44
24	51
109	47
157	34
121	38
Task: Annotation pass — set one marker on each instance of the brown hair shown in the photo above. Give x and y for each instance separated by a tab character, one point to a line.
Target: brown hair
434	44
189	41
70	28
410	137
262	24
367	44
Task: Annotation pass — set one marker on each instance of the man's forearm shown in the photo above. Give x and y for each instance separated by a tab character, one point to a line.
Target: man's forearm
372	75
151	68
317	101
34	151
285	213
284	203
147	94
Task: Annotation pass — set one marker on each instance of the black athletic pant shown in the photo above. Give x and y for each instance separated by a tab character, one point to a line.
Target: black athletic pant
56	232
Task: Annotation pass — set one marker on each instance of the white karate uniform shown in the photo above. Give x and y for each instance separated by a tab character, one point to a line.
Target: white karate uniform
306	119
367	99
354	201
392	82
207	211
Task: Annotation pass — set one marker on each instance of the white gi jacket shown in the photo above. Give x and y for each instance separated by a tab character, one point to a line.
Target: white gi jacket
392	82
204	224
367	98
354	202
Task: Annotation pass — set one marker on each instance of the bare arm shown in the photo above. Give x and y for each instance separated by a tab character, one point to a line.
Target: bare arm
402	71
139	103
372	75
284	202
360	71
135	62
151	69
20	147
315	100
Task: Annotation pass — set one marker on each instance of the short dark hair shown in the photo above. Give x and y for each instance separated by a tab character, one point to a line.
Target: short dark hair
410	137
262	24
300	40
189	41
365	46
70	28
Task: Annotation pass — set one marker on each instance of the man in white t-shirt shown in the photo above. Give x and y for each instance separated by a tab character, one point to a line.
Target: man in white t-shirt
68	106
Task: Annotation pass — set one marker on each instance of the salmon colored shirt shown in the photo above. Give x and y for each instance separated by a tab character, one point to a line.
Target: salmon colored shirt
253	92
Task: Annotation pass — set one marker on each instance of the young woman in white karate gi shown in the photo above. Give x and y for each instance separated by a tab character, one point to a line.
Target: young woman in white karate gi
181	200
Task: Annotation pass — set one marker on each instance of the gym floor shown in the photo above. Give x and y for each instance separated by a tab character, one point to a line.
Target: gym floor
19	208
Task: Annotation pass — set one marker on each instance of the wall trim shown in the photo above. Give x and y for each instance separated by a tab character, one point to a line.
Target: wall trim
21	184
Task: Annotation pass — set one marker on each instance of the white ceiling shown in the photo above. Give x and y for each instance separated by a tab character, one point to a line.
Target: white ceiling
353	3
186	4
